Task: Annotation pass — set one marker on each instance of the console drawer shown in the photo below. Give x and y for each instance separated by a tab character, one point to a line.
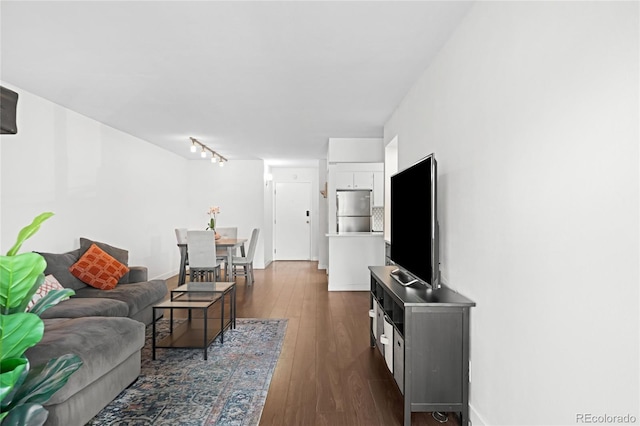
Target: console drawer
388	343
398	360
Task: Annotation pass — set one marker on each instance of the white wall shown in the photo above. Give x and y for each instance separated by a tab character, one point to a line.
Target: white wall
100	183
532	111
355	150
323	217
237	188
390	169
268	217
110	186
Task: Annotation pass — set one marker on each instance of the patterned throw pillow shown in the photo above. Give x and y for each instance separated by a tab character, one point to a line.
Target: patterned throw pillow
50	283
121	255
98	269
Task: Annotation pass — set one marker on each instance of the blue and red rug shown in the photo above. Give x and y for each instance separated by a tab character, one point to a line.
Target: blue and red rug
181	388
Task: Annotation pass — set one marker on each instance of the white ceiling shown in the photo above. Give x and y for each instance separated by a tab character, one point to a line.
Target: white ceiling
268	80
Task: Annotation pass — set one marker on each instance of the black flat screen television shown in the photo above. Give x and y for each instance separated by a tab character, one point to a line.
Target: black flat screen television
414	223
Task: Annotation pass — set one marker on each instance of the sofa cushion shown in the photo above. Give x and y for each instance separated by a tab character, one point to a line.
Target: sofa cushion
98	269
58	265
121	255
50	283
138	274
78	307
136	295
93	339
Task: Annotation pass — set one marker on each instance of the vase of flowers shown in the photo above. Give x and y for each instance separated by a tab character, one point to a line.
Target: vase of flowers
213	211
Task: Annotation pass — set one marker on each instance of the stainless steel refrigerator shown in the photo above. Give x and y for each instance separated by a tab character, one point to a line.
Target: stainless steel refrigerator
354	211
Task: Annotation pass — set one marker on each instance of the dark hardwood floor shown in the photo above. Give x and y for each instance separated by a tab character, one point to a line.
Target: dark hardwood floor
327	373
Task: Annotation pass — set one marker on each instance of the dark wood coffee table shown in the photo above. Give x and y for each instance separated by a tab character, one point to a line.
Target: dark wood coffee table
196	332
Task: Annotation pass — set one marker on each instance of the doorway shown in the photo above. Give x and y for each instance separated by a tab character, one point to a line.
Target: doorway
292	227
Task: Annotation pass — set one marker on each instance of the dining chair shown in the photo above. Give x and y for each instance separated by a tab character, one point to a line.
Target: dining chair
229	232
246	262
203	262
221	252
181	239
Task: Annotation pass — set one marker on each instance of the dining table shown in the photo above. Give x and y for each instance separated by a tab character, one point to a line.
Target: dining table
231	244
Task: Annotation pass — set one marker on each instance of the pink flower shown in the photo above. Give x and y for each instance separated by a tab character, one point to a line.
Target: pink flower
213	211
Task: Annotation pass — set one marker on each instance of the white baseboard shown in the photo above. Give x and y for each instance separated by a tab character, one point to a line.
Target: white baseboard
322	266
165	276
475	418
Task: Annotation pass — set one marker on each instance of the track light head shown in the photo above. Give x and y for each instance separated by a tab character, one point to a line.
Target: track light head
215	157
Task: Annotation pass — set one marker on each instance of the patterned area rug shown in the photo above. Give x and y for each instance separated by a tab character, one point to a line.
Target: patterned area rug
181	388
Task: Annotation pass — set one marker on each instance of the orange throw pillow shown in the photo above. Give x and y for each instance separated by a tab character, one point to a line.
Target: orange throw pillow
98	269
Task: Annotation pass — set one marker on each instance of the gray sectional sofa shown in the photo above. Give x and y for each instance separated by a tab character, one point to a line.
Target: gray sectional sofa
105	328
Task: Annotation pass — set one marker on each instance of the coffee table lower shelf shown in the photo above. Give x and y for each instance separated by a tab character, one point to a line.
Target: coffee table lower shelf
195	333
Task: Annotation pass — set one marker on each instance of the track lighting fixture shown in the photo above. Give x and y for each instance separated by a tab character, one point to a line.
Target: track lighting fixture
215	157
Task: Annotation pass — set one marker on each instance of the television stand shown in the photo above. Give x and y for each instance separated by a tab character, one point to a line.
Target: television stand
423	335
402	277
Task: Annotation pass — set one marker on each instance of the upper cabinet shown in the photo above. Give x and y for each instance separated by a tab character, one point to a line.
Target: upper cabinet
354	180
344	180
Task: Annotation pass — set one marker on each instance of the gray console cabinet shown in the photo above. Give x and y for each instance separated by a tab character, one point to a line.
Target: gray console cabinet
430	343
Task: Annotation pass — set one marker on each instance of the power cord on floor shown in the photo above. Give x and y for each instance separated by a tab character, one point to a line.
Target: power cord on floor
440	417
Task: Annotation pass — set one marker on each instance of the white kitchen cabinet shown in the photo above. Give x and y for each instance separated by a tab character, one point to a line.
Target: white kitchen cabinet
362	180
344	180
354	180
378	189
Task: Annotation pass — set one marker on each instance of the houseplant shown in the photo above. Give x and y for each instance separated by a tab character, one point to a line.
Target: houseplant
212	212
211	226
23	389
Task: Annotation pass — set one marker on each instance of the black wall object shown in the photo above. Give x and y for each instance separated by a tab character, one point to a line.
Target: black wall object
8	104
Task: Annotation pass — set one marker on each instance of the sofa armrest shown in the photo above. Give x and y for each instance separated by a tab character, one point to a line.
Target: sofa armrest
137	274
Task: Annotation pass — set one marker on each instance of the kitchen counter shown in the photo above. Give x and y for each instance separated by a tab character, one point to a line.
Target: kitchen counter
350	255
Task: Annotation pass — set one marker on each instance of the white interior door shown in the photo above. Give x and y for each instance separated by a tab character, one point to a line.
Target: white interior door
292	221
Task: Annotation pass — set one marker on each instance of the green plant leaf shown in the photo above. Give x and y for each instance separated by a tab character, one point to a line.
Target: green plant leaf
28	297
28	414
12	373
18	275
19	332
28	231
50	299
43	381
